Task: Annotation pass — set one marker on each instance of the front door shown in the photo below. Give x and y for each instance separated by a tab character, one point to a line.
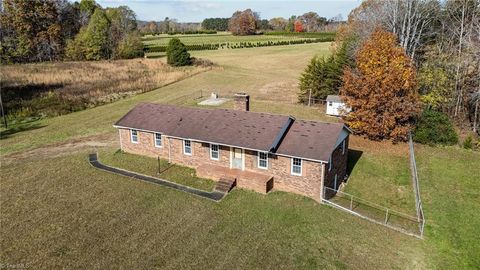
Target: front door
237	158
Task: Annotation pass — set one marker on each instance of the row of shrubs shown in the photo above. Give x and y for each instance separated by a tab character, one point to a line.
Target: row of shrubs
328	35
228	45
188	32
193	47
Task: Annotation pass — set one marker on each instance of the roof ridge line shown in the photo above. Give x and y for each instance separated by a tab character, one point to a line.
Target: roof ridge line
281	134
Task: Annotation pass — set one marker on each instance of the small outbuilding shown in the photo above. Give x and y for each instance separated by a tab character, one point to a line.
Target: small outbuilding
336	106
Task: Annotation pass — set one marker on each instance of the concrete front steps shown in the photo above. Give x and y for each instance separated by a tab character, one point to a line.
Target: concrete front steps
225	184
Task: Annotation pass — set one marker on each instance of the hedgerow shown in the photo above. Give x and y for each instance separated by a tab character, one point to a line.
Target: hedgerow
237	45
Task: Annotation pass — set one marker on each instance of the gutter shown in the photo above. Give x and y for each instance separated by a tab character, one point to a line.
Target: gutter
236	146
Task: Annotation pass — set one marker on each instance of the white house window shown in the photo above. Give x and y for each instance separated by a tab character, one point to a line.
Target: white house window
296	166
330	103
343	148
158	140
214	152
187	147
134	135
262	160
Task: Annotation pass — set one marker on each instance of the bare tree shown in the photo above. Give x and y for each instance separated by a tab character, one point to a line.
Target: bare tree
409	20
462	35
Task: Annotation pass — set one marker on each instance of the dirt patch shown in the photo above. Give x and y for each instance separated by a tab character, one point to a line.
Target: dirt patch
64	148
285	91
387	147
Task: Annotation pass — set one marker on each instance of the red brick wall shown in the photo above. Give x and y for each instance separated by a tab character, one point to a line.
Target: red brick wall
308	184
173	150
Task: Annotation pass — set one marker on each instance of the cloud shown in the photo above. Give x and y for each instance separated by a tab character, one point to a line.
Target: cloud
195	6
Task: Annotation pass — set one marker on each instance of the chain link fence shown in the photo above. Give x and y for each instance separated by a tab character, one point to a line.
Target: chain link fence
416	186
407	224
373	212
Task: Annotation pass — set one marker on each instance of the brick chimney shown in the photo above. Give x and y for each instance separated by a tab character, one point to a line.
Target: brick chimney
242	102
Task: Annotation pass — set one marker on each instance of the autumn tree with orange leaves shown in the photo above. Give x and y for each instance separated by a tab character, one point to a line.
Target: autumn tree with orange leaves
381	90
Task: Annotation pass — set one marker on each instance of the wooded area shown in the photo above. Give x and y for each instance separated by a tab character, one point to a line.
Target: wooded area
442	41
43	30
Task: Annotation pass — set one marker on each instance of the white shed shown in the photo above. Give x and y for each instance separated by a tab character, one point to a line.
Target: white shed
335	106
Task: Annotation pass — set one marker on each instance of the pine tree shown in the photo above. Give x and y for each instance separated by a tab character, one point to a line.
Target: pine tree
177	54
323	76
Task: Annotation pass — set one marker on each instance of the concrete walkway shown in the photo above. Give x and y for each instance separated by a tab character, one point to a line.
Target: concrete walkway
213	195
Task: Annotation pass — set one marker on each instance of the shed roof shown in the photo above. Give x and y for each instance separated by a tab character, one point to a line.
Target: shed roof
334	98
306	139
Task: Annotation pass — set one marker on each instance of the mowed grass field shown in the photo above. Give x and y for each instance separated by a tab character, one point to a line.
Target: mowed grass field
59	212
163	39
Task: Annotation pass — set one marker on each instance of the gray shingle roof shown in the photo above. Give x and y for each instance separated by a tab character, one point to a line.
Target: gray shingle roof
305	139
334	98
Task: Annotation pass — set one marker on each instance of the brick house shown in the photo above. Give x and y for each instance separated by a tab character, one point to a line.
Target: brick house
261	151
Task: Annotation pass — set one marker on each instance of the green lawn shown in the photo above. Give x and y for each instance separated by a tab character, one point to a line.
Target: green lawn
149	166
450	189
383	179
62	213
57	211
70	215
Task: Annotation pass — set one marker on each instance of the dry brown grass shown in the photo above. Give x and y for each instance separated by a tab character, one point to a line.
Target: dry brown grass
379	147
58	88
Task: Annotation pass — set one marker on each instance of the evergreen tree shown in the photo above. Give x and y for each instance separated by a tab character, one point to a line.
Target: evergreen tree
313	81
96	37
323	76
434	127
177	54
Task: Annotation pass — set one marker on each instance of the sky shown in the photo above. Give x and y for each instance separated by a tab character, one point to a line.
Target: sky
197	10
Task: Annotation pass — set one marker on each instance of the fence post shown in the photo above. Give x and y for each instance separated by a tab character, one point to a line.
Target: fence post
351	202
309	97
386	216
158	160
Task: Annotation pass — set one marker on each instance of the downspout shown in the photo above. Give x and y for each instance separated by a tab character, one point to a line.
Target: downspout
169	150
322	179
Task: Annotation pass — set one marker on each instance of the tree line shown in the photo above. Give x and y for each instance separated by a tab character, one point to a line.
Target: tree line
45	30
168	26
246	21
405	65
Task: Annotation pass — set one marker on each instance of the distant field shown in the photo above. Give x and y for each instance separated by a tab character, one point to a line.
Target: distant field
156	45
